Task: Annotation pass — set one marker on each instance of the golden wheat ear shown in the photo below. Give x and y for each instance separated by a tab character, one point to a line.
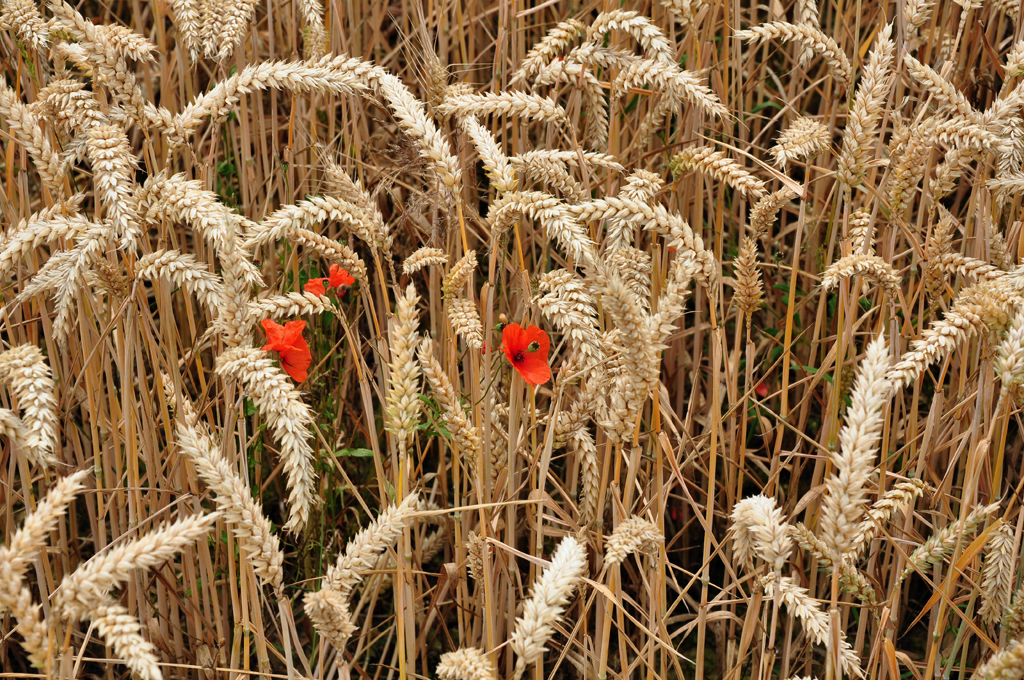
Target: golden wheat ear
549	597
468	663
288	416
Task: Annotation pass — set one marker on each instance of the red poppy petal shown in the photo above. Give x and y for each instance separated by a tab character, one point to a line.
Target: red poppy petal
340	277
296	362
513	339
315	286
534	369
276	336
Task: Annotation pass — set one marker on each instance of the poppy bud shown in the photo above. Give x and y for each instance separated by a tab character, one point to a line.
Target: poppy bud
533	347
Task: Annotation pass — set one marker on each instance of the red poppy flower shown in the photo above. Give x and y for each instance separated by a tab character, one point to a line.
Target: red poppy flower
290	346
315	286
527	351
339	277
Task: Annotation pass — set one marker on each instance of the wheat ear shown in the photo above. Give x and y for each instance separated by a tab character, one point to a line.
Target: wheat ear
759	528
551	45
1009	360
548	599
184	271
844	504
24	368
804	138
272	393
749	287
235	502
901	495
808	37
424	257
465	435
89	585
510	103
468	663
719	166
865	264
635	534
814	621
997	574
942	543
859	136
123	633
640	27
1006	664
403	407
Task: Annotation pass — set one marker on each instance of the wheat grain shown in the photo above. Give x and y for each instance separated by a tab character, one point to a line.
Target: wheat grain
640	27
23	17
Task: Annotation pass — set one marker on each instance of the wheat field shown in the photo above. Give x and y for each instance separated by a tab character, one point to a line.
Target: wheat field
533	339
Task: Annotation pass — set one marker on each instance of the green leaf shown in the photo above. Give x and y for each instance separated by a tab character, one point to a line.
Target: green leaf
356	453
